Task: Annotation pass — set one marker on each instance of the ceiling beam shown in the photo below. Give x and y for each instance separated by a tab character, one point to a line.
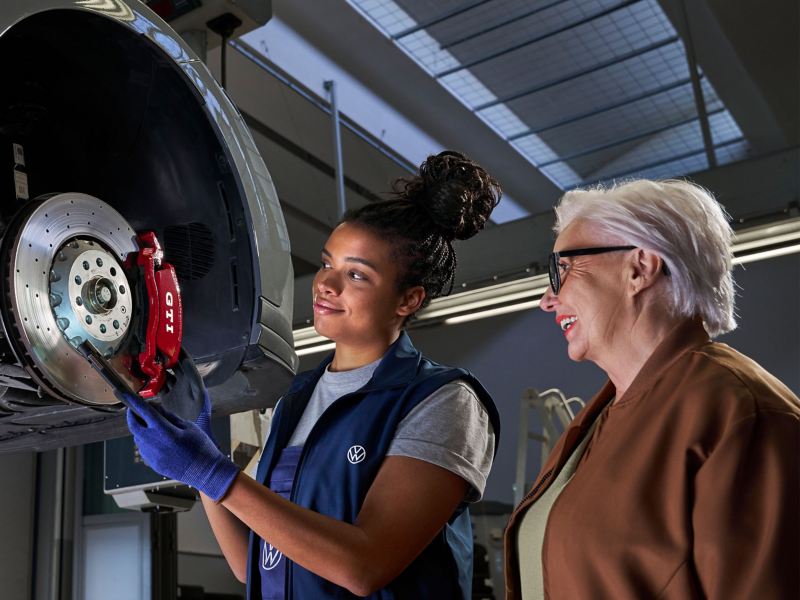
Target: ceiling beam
399	81
749	53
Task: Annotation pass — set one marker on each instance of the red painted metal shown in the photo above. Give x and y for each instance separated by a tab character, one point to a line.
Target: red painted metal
164	328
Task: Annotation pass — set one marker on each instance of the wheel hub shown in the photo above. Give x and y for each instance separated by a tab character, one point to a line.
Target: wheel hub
90	295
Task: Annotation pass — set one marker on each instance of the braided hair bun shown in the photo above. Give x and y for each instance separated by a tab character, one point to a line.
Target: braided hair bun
450	199
457	194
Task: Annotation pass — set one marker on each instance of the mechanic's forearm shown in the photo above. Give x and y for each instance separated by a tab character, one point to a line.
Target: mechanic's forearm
231	534
335	550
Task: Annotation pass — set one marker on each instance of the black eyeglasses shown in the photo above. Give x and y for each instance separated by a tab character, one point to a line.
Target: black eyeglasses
555	273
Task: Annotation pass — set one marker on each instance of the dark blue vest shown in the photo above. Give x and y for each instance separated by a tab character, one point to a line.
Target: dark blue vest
341	458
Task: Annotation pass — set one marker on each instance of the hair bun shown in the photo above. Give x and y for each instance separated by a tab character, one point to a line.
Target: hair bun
456	193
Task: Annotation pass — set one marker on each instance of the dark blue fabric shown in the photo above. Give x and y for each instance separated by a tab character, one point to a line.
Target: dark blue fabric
341	458
271	564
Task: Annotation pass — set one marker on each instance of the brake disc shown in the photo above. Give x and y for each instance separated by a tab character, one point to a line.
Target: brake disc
65	284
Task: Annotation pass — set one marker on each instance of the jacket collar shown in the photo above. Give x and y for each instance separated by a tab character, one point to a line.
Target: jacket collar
397	368
684	337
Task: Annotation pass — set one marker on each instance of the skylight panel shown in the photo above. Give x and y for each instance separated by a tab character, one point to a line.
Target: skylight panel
572	85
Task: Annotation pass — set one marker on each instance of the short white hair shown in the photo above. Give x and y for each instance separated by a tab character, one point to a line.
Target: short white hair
679	221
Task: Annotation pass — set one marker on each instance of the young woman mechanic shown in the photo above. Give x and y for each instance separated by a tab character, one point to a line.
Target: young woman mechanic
363	482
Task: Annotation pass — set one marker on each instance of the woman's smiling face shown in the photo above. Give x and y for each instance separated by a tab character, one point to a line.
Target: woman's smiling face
592	296
355	294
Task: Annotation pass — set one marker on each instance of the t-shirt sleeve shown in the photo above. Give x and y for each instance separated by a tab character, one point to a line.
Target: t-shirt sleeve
451	429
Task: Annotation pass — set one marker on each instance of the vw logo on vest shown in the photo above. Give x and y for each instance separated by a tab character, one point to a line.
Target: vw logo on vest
270	557
356	454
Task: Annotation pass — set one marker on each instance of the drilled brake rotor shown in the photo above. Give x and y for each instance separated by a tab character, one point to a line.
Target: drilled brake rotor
65	284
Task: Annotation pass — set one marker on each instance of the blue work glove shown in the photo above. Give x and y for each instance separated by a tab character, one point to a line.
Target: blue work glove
185	394
203	420
179	449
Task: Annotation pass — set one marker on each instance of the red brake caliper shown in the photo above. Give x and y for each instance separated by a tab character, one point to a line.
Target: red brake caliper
164	330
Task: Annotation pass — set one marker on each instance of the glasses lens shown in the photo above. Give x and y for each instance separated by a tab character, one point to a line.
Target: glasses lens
555	283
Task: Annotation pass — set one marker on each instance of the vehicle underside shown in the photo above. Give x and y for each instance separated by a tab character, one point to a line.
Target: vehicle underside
103	139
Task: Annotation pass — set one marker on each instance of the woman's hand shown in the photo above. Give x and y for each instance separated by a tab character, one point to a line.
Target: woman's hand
179	449
185	394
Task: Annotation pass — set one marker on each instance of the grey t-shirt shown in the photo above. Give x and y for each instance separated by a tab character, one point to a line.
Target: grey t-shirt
463	445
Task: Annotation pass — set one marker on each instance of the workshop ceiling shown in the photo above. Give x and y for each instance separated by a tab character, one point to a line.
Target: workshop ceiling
547	95
586	90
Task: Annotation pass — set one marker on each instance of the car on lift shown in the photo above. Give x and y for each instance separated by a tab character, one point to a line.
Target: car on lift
111	130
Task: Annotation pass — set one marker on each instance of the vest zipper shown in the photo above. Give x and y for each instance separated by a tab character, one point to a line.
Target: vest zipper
297	473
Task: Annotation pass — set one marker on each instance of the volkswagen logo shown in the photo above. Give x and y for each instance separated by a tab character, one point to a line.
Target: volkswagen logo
356	454
270	557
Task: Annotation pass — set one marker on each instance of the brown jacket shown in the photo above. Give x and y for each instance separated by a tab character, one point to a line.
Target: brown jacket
690	487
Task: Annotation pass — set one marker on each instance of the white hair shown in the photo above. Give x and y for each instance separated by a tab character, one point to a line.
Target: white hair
679	221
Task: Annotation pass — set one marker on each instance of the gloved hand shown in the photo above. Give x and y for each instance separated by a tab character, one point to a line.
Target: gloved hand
179	449
185	394
203	420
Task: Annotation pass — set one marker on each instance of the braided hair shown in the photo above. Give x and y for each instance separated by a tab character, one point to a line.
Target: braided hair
450	199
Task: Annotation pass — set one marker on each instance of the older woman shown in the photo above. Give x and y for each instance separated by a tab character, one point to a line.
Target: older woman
681	477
